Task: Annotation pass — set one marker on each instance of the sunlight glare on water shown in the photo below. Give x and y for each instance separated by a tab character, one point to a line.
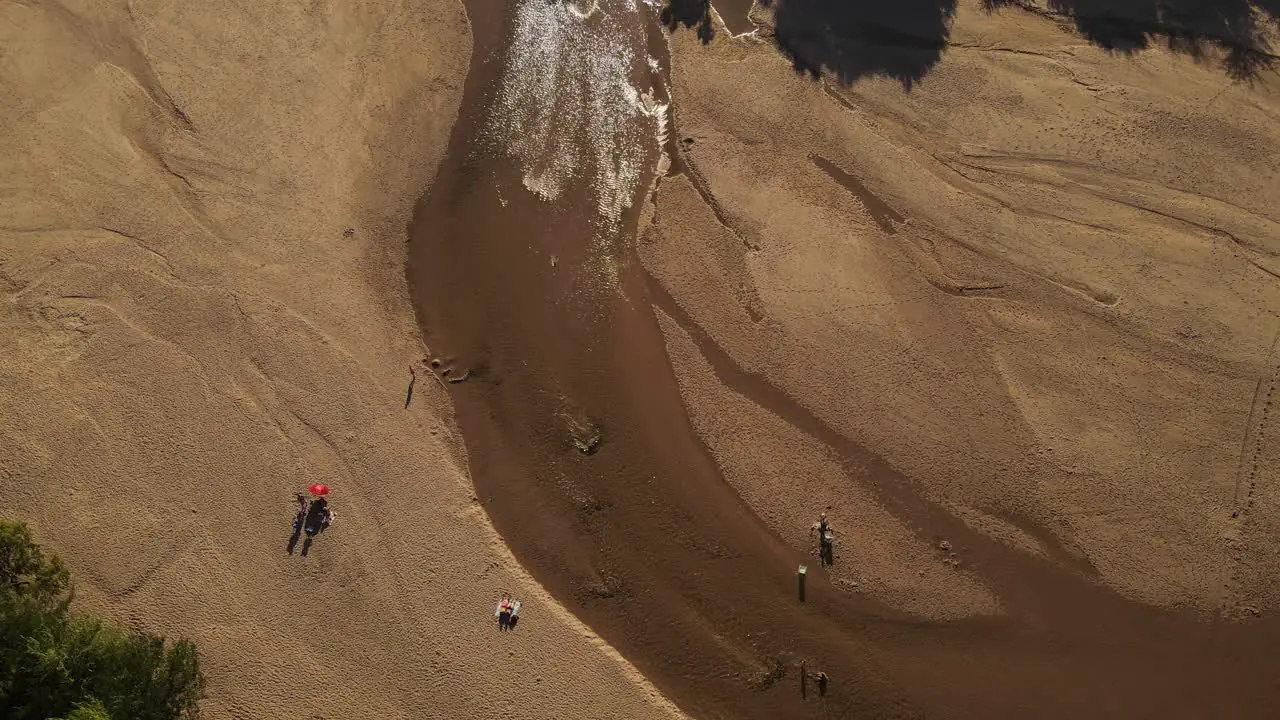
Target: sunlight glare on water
567	108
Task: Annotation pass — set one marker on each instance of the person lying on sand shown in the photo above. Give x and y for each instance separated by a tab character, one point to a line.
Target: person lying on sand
503	612
507	612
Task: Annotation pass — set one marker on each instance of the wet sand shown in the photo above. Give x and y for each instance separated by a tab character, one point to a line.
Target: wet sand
582	452
735	15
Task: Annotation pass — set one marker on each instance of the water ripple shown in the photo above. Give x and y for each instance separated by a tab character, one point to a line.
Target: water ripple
568	109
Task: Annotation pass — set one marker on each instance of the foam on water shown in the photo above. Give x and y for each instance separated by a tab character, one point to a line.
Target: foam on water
566	108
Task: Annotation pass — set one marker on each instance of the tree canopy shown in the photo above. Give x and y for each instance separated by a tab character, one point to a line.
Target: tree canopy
58	666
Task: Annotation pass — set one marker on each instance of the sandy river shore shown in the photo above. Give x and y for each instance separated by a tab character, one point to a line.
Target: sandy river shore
996	285
204	311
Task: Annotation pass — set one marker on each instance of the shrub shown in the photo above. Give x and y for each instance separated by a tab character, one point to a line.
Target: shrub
58	666
88	710
25	571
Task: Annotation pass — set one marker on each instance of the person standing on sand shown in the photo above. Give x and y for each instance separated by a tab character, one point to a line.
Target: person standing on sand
826	540
317	518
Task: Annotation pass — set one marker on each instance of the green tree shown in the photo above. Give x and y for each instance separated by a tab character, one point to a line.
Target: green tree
24	569
54	665
91	709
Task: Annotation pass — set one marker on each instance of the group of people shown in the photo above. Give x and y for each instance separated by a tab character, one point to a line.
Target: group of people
314	515
507	612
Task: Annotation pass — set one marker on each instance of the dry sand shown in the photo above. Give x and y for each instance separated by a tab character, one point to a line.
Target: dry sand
1043	283
1039	279
1006	306
190	335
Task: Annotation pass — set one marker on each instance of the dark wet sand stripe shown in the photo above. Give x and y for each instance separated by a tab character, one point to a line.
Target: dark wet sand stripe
880	211
646	542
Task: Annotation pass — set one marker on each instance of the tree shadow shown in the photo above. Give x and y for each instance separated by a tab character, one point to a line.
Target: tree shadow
852	39
689	13
1191	27
847	40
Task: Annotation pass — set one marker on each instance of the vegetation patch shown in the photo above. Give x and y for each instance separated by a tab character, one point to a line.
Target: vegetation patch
58	666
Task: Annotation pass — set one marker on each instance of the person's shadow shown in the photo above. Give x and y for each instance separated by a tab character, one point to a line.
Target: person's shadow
293	540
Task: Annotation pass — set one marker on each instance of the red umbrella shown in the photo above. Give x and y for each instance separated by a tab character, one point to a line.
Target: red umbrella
319	489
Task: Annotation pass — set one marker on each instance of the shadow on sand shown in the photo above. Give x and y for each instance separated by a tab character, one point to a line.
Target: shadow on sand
851	39
293	543
846	40
1194	27
689	13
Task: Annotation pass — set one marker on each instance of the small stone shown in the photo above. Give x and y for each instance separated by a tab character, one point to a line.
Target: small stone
588	445
944	545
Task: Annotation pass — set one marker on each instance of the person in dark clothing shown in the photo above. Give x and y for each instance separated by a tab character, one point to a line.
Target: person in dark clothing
312	518
826	540
317	517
